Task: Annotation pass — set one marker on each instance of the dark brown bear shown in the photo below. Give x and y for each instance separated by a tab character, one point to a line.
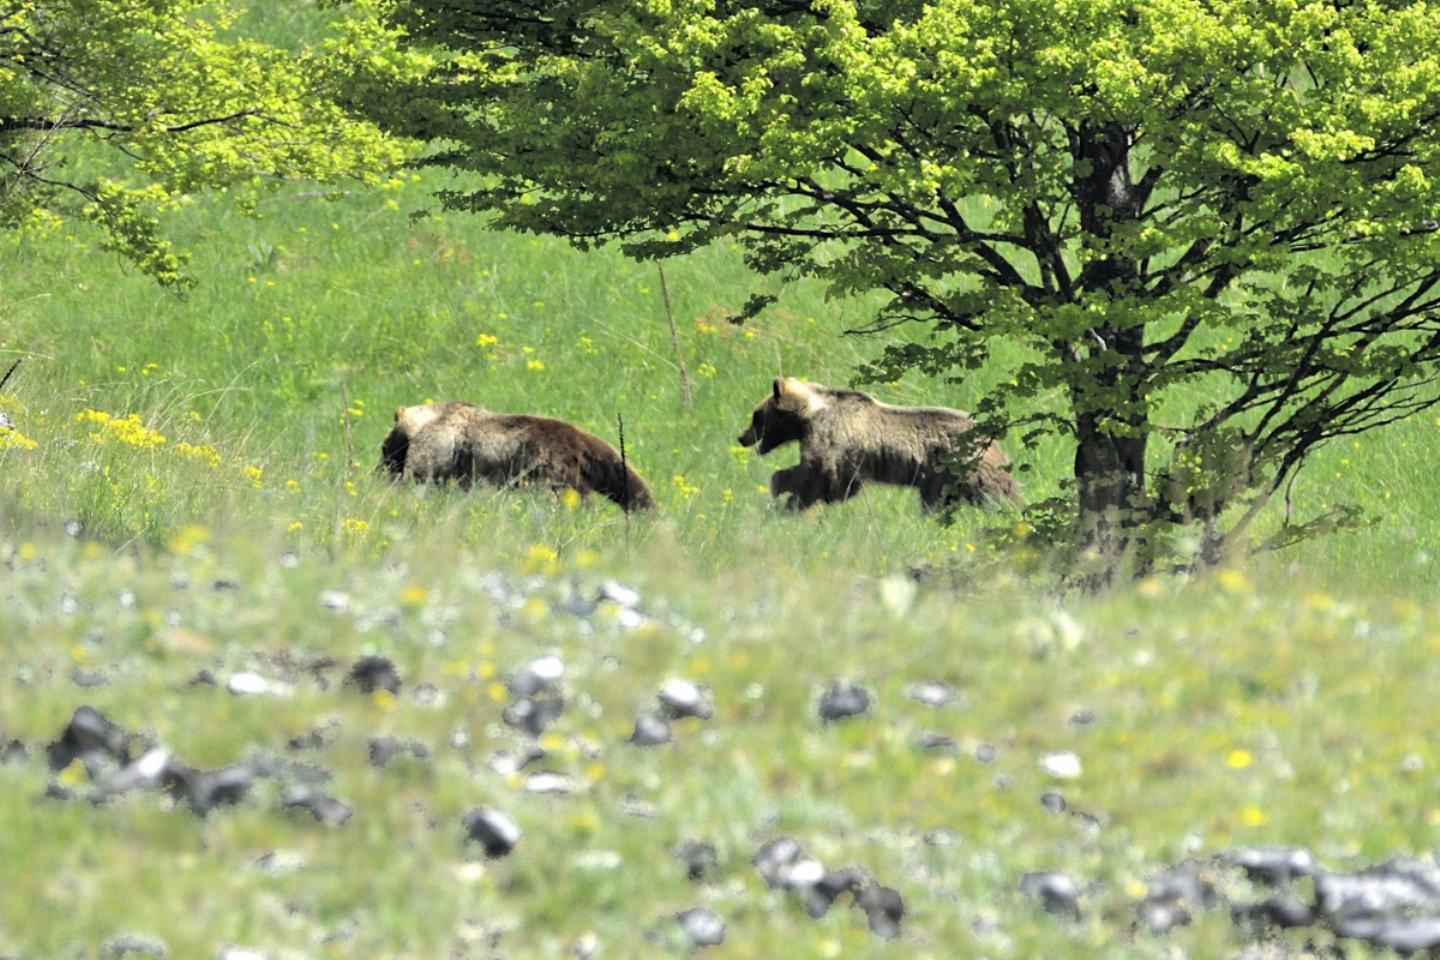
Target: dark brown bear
436	442
848	438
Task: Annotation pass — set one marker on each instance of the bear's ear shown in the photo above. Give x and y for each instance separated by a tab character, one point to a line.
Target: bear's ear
398	412
779	387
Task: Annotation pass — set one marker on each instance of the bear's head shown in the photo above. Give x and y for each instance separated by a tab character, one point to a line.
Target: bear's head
782	417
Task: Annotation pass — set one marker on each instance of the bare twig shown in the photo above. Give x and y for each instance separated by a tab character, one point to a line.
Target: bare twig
6	379
674	337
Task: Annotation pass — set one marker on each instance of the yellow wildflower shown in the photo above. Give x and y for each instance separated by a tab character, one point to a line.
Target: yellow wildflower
1239	758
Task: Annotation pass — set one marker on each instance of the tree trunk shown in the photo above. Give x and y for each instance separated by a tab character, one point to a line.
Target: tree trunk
1111	421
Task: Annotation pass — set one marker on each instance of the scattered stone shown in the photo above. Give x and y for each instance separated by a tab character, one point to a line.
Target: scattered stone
533	715
598	860
203	678
315	738
1162	916
13	753
248	684
372	673
699	858
985	752
74	529
493	829
91	739
337	600
540	674
86	679
883	909
1400	885
773	857
932	693
553	782
636	806
1057	892
1401	934
427	695
1052	802
681	698
1273	865
208	790
843	700
325	808
617	593
241	953
133	944
586	947
1282	911
934	740
1062	765
651	730
703	926
1083	717
823	893
506	762
224	585
383	749
154	769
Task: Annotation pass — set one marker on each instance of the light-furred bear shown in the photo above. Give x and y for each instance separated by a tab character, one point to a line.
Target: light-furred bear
848	438
436	442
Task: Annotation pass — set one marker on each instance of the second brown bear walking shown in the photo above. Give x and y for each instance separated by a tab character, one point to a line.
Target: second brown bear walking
436	442
848	438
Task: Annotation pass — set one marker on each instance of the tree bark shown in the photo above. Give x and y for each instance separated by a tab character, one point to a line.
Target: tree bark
1111	422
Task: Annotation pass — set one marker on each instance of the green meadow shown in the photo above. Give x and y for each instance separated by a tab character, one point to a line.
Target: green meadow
190	488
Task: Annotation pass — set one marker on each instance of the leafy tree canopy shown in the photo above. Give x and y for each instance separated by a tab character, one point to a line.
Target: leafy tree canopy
1158	201
112	111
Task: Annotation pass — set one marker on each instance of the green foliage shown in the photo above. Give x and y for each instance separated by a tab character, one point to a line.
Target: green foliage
1152	203
116	111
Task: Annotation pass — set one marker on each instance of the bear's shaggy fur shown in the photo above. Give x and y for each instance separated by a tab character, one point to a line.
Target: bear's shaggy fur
436	442
848	438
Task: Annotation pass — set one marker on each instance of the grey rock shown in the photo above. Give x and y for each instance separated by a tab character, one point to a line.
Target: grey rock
1052	802
372	673
699	857
535	676
884	909
383	749
206	790
1083	717
154	769
617	593
681	698
74	529
86	679
533	714
1162	916
1282	911
932	693
843	700
651	730
553	782
133	944
13	753
90	738
1056	891
1273	865
633	805
934	740
493	829
1185	884
324	808
1401	934
506	762
823	893
774	857
703	926
1400	885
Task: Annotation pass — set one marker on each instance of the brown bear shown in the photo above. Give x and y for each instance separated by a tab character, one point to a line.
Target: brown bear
435	442
848	438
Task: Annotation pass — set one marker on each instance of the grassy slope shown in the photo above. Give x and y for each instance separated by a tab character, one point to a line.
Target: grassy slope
1273	705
